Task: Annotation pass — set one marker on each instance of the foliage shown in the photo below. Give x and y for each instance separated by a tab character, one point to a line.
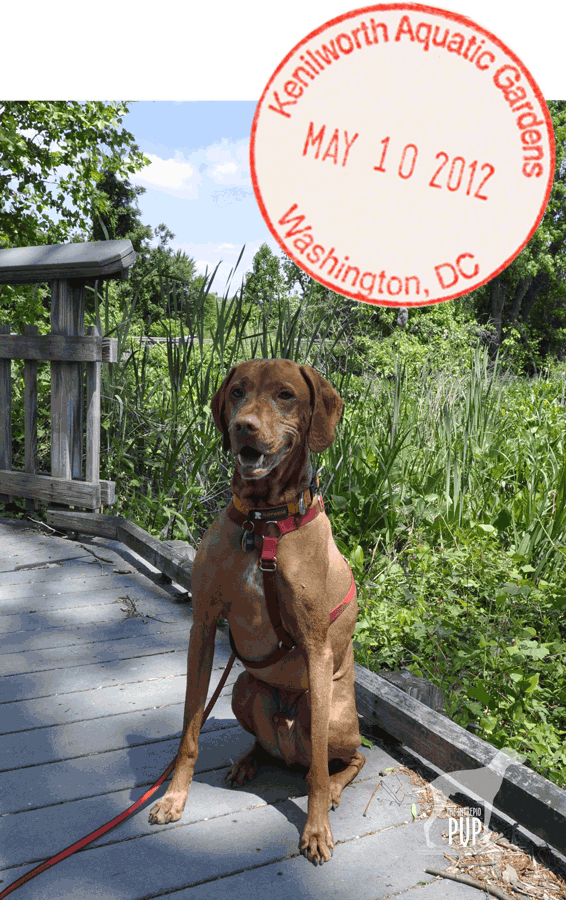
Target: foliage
52	157
526	300
265	284
120	215
461	489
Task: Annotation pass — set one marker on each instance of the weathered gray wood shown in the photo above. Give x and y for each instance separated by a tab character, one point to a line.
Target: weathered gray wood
155	552
30	415
167	638
250	853
5	413
94	677
54	592
81	739
64	385
93	385
158	553
45	573
79	706
52	347
77	378
114	770
528	798
50	489
417	687
109	350
95	259
85	523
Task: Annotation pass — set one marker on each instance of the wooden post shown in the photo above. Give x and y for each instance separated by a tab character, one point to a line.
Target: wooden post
67	317
5	414
93	384
30	416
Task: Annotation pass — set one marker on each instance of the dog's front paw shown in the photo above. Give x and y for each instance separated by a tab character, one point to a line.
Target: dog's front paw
317	844
168	809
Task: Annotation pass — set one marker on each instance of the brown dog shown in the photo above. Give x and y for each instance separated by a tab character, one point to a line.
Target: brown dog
297	693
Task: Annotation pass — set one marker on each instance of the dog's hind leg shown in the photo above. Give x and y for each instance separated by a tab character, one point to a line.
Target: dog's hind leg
252	703
344	775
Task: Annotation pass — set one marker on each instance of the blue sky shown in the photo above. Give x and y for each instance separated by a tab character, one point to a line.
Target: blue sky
198	182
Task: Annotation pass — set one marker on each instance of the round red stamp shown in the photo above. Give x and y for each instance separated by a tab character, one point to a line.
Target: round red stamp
402	155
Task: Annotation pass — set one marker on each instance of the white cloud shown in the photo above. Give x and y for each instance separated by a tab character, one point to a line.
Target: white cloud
228	162
176	176
196	173
227	169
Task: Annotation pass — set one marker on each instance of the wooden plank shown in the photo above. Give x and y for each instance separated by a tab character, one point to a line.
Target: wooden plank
51	489
93	388
109	350
51	347
56	592
524	796
92	259
147	643
30	415
108	492
155	552
58	347
44	573
77	376
80	706
113	770
94	677
122	731
205	857
85	523
5	414
149	548
62	385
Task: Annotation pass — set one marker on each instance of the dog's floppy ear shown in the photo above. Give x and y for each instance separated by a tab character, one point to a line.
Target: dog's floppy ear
217	407
327	408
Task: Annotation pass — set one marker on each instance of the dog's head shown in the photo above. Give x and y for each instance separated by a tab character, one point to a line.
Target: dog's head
268	409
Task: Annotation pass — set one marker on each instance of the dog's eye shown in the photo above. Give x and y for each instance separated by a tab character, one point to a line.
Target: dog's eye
237	392
285	395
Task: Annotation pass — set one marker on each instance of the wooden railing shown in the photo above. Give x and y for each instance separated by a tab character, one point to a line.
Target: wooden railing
75	359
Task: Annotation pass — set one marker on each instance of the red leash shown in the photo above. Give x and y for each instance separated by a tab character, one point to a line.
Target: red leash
123	815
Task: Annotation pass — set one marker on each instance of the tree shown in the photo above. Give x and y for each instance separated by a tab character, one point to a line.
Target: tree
159	272
53	155
529	295
266	284
120	216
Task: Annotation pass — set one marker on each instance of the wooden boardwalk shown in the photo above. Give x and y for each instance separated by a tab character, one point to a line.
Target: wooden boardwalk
92	678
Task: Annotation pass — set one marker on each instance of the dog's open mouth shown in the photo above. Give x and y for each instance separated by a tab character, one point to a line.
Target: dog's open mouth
250	458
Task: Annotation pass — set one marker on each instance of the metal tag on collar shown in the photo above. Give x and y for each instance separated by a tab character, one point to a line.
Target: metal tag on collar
248	537
302	508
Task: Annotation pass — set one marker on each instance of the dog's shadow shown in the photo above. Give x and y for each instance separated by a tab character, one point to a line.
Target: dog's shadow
277	784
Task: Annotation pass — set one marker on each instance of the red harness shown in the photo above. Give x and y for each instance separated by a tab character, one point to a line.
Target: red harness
253	522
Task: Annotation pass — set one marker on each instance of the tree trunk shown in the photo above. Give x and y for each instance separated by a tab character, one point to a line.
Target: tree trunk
497	303
518	298
538	283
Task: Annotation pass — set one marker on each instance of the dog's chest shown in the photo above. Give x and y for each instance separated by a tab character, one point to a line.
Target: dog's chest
244	603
